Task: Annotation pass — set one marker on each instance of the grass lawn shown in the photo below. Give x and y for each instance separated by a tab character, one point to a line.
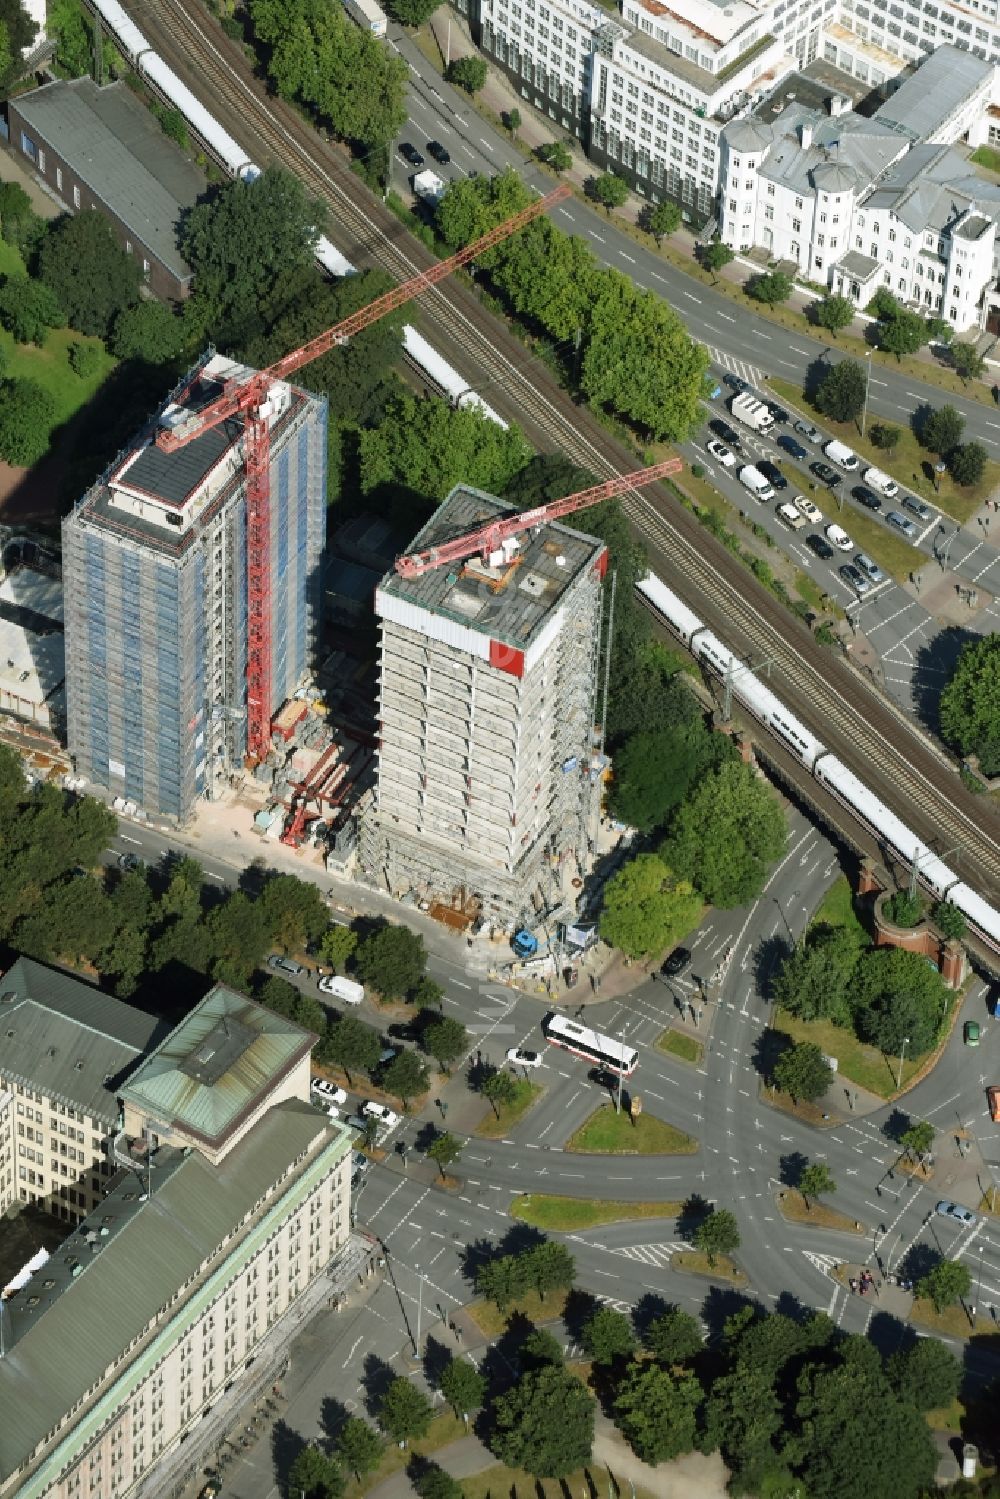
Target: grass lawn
677	1044
49	367
809	1113
861	1064
11	263
836	909
985	156
947	1417
953	1322
445	1428
492	1128
906	466
563	1215
609	1133
693	1262
990	1204
492	1322
792	1207
511	1483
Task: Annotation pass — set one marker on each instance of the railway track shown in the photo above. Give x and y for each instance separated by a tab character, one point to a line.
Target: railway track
904	767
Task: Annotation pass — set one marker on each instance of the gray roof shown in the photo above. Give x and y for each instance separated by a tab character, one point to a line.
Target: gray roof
748	135
115	146
214	1068
64	1037
151	1248
928	98
861	267
932	187
860	149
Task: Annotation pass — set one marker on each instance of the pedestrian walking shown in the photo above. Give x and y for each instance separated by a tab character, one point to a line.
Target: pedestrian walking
854	1285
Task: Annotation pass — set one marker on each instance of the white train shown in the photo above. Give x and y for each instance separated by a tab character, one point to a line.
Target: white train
942	882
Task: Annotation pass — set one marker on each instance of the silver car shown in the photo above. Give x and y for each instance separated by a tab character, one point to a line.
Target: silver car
867	565
955	1211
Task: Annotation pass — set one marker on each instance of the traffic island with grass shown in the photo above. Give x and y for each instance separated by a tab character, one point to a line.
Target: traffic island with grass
492	1322
799	1108
610	1133
565	1215
857	1061
685	1048
795	1208
490	1127
694	1262
953	1321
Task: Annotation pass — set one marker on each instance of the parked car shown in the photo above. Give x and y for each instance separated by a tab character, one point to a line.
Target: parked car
720	453
993	1099
128	862
328	1092
866	497
971	1033
676	963
411	154
855	579
838	537
284	965
736	384
822	548
956	1211
380	1112
807	508
360	1162
900	523
772	473
440	153
917	507
524	1058
870	568
826	474
808	431
778	412
726	432
792	448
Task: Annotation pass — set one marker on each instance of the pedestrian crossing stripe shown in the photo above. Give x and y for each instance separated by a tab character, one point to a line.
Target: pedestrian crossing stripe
824	1263
650	1254
749	372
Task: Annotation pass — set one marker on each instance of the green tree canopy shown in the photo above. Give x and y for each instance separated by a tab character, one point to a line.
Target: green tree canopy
608	189
607	1335
662	220
294	911
150	331
717	1233
897	996
434	1483
359	1447
941	429
726	835
655	770
444	1149
548	1267
949	919
840	395
315	1475
351	1044
503	1280
904	333
468	73
967	463
27	413
803	1071
427	994
28	309
556	155
445	1041
646	907
500	1088
92	278
770	287
279	995
927	1374
814	981
967	362
969	706
404	1412
674	1336
391	959
833	313
945	1282
462	1386
474	205
743	1419
816	1180
657	1411
406	1076
411	12
716	255
337	945
549	277
884	436
545	1424
428	446
239	939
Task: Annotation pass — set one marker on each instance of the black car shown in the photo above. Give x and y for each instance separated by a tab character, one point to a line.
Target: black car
772	473
735	383
726	432
820	546
866	497
440	153
826	474
676	963
792	448
778	412
411	154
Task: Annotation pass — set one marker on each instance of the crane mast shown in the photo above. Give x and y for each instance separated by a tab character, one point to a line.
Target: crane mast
247	398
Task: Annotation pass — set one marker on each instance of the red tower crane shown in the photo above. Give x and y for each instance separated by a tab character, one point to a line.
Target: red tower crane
246	397
487	539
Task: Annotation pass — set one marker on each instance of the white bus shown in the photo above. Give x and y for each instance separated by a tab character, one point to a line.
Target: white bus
605	1051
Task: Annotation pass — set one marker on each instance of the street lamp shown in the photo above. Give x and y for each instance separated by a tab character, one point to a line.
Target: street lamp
902	1053
868	381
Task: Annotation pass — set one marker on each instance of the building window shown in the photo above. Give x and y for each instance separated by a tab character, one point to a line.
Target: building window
76	196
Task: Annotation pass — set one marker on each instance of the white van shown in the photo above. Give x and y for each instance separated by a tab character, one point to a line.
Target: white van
791	517
840	454
341	988
881	483
751	478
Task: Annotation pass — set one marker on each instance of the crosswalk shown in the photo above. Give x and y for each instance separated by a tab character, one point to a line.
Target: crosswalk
751	373
650	1254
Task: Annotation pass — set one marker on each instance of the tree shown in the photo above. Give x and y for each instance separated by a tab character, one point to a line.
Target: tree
445	1040
411	12
803	1071
770	287
359	1447
655	770
18	34
351	1044
473	205
337	946
904	333
857	1438
814	981
833	313
406	1077
91	277
278	995
429	447
549	1267
726	835
967	463
404	1412
513	120
949	920
427	994
500	1088
717	1233
310	1014
927	1374
662	220
444	1149
884	436
468	73
315	1475
742	1415
555	155
969	706
462	1386
391	959
150	332
715	255
816	1181
609	190
503	1280
898	997
28	308
944	1283
967	362
548	277
674	1336
607	1335
918	1139
545	1424
293	911
27	413
86	358
941	429
840	395
646	908
542	1347
904	909
434	1483
238	938
657	1411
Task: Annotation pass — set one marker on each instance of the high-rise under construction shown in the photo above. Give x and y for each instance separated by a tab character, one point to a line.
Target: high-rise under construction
487	789
156	566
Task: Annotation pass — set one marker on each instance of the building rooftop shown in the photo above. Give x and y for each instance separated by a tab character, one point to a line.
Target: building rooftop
509	603
924	103
214	1069
859	149
932	187
127	1262
861	267
115	146
69	1040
